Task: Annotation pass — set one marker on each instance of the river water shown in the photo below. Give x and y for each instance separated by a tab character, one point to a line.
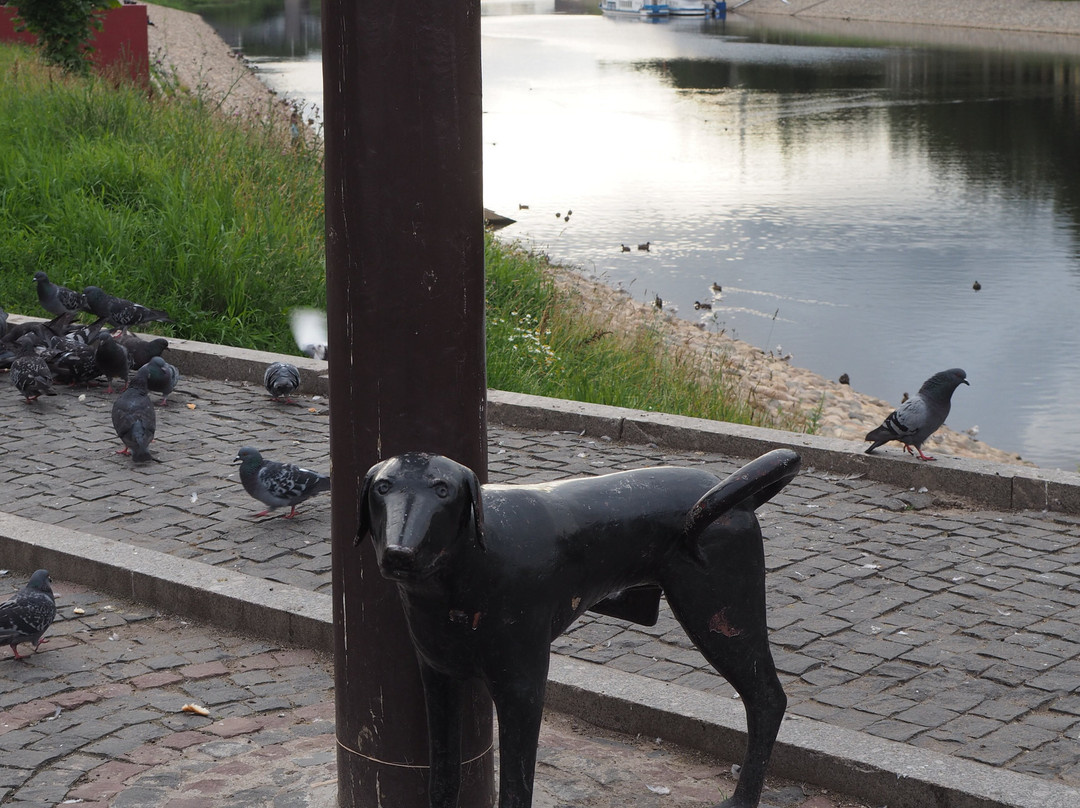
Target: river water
846	189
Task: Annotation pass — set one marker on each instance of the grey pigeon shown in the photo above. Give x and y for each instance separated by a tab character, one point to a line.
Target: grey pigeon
30	372
27	615
120	312
140	350
280	380
161	377
133	418
57	299
278	484
112	358
73	362
309	331
921	415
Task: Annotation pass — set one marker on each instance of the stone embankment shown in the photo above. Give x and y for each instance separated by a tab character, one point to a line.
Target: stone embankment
188	50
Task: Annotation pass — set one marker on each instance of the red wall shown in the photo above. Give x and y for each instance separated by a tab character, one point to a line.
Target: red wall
120	45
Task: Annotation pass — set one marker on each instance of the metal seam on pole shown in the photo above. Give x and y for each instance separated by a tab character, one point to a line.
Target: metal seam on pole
490	748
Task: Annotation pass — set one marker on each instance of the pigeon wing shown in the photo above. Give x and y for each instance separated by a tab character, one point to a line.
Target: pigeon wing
903	424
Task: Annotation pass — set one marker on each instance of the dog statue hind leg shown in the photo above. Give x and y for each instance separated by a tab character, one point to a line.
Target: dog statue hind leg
720	602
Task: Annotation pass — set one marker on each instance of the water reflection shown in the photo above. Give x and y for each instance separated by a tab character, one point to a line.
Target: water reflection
846	190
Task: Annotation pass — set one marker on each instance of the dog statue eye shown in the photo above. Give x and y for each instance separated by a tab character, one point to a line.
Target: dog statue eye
382	487
442	490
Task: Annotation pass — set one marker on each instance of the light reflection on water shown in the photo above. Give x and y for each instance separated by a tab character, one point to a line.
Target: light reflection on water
845	195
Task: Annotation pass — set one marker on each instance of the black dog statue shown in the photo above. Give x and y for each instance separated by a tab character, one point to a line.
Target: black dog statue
490	575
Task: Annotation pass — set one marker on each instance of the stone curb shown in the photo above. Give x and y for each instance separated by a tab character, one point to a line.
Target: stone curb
997	486
214	595
876	770
873	769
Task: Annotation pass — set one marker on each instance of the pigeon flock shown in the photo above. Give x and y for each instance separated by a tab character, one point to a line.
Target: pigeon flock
43	356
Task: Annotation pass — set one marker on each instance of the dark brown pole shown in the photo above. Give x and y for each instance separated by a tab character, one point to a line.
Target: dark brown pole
405	290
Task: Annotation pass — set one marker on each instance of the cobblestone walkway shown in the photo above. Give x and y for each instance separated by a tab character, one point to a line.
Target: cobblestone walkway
936	624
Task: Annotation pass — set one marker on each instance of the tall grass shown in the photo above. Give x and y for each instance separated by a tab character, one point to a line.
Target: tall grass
220	222
159	199
540	342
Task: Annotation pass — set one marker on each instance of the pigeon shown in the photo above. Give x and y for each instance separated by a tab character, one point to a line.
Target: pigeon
140	350
133	418
112	359
119	312
41	332
57	299
280	380
921	415
28	613
161	377
30	372
73	362
309	331
278	484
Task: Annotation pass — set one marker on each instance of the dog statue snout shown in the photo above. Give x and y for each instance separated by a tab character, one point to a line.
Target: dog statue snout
398	561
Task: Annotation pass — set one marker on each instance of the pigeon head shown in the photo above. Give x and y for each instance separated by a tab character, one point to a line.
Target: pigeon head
41	277
941	386
248	458
40	581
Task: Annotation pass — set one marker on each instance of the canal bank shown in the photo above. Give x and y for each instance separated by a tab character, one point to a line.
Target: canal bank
1045	25
190	51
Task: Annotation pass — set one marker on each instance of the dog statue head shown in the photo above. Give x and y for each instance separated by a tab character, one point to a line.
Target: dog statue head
419	507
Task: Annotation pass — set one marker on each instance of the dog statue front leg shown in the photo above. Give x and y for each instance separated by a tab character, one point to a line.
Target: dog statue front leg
442	697
520	706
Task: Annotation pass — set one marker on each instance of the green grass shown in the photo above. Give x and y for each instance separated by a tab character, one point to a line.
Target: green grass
162	200
220	222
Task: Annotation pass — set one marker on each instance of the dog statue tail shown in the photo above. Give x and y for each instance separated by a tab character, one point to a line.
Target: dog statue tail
754	484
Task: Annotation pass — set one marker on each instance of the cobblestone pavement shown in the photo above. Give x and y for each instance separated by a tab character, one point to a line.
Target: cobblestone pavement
932	623
96	719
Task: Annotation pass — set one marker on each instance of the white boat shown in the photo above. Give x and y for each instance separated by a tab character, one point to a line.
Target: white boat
690	8
659	8
640	8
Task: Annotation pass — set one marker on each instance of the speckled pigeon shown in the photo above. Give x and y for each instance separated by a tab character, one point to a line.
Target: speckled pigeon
161	377
30	372
280	380
921	415
309	331
73	362
278	484
57	299
133	418
120	312
27	615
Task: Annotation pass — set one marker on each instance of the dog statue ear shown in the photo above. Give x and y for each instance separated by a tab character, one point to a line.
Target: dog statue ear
477	508
365	490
